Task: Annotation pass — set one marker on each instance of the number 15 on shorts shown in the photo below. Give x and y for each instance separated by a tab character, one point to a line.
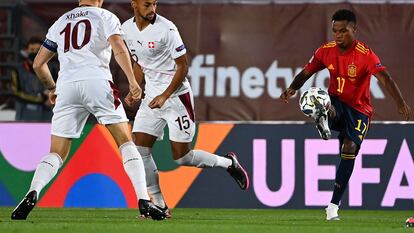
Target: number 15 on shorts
183	122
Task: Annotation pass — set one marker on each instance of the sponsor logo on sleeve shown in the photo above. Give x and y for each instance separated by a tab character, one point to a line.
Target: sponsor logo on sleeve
181	48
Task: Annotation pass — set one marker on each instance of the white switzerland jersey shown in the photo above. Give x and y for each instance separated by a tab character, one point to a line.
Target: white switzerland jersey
155	49
83	49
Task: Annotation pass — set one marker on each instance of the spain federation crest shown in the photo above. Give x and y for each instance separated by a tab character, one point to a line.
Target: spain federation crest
352	70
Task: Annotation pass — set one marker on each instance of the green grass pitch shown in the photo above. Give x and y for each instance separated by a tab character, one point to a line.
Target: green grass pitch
205	220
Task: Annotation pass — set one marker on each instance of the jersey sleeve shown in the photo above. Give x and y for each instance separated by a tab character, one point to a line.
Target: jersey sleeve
111	25
51	33
124	31
374	64
315	64
175	43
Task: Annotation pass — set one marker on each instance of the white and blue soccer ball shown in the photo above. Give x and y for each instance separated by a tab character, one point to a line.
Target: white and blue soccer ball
313	101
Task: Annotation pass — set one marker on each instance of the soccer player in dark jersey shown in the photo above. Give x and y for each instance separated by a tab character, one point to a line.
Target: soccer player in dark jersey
350	63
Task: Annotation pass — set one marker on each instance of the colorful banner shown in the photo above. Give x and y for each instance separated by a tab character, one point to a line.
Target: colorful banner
289	167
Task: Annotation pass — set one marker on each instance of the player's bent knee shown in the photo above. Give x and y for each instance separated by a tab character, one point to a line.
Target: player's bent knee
180	149
349	147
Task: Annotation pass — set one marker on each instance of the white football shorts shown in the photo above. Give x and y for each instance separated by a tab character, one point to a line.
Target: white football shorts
76	100
177	112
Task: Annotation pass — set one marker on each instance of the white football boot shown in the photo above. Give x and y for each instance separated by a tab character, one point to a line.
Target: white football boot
332	212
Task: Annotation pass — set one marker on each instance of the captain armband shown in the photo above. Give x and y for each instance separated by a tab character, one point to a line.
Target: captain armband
50	45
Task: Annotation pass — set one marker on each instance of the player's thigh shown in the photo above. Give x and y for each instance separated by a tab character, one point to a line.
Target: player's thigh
69	113
356	128
337	123
180	118
149	121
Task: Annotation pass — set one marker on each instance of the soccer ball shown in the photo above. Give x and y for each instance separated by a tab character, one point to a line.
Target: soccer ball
314	102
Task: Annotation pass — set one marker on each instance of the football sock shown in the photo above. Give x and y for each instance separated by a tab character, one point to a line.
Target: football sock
45	171
346	166
199	158
134	167
151	175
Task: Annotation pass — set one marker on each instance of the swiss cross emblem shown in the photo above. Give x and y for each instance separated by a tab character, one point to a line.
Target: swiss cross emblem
151	45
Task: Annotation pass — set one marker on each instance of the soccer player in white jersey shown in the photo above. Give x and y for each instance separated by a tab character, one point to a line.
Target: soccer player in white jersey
155	44
83	38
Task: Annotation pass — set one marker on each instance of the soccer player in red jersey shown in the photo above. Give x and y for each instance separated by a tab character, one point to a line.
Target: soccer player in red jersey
350	63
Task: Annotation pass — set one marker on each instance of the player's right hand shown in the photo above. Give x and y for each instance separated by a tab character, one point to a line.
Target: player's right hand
289	92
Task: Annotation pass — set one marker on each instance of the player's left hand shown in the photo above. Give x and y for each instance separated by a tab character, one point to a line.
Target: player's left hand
52	96
405	111
135	91
129	100
158	101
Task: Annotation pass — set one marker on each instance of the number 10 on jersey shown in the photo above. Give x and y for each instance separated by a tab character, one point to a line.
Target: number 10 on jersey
71	35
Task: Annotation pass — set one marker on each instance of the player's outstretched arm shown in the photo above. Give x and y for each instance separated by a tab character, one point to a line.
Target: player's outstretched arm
123	59
42	71
297	83
389	84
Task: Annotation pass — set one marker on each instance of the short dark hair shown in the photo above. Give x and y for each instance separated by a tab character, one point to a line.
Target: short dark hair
34	40
344	14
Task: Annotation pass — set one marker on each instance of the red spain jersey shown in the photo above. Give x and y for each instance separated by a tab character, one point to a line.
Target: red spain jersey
350	73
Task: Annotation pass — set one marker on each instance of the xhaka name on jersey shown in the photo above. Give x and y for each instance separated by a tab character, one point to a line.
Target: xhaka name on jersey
79	14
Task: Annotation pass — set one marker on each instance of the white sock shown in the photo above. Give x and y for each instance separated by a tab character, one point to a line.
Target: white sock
134	168
332	205
151	175
200	158
45	171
